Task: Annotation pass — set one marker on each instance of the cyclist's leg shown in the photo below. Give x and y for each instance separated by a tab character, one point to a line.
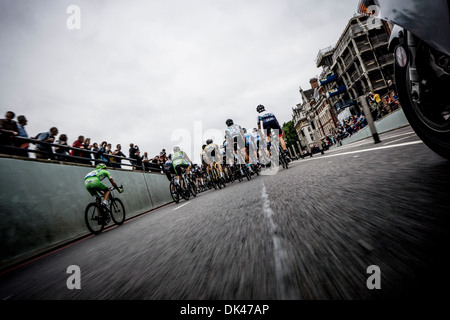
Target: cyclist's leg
103	188
177	170
275	125
91	189
266	144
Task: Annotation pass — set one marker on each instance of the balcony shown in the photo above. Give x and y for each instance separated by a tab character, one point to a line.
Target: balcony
379	40
354	76
363	46
386	59
371	65
322	53
358	29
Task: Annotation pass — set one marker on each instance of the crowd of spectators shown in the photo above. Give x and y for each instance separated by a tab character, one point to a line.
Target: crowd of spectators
379	108
48	145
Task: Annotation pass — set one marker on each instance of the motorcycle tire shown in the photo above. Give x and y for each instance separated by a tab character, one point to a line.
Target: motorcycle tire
434	134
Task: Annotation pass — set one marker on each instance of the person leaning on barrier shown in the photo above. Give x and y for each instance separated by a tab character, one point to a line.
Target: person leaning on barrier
62	150
46	149
118	152
21	123
8	131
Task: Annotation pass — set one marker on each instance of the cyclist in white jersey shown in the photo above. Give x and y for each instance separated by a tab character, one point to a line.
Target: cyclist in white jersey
250	145
213	155
236	138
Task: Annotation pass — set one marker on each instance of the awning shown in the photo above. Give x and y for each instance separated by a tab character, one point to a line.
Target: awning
328	79
336	91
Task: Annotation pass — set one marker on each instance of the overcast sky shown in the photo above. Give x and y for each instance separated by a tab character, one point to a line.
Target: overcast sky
159	73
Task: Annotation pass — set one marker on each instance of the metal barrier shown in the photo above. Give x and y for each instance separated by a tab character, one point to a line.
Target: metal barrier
47	152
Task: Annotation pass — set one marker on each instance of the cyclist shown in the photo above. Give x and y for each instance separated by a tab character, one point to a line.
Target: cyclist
256	139
250	146
197	176
180	160
213	156
236	138
269	122
168	168
204	158
94	185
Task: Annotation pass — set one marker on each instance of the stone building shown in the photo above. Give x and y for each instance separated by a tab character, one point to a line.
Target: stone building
360	54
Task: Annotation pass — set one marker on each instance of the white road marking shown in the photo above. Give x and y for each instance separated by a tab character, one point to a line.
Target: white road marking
410	135
181	206
279	253
366	150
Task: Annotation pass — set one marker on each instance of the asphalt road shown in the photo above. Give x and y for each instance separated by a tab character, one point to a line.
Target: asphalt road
309	233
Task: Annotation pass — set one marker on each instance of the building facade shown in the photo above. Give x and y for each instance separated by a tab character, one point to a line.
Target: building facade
360	54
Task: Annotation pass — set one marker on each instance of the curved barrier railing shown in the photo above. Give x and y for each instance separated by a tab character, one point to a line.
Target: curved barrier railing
47	152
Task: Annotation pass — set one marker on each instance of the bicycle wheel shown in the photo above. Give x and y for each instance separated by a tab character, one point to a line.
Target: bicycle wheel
223	181
91	217
283	159
256	169
247	173
174	193
239	175
192	188
117	211
184	192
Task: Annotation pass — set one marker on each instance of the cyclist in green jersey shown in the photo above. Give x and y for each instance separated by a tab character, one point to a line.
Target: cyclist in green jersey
180	160
94	185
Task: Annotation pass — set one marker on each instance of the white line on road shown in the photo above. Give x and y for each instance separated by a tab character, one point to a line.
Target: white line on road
180	206
409	136
279	253
366	150
370	141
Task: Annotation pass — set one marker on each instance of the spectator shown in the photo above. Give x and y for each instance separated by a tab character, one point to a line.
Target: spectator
8	130
45	150
157	161
22	122
103	153
88	147
78	153
138	160
131	154
392	87
118	152
109	152
163	156
96	151
146	161
62	151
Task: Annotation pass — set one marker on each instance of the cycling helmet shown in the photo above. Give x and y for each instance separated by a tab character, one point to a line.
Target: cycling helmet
176	149
260	108
229	122
245	130
255	130
101	166
209	141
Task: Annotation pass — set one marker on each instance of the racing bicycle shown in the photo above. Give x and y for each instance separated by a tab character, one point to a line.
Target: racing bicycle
97	215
